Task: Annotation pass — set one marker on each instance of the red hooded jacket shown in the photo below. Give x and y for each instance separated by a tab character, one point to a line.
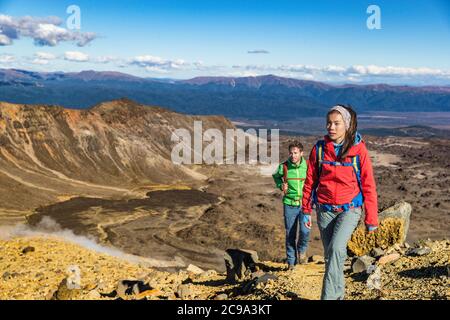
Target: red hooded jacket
338	184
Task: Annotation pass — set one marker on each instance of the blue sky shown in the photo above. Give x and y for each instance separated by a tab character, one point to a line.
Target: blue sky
317	40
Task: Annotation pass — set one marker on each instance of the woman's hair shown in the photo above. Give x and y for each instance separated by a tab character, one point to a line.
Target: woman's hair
350	134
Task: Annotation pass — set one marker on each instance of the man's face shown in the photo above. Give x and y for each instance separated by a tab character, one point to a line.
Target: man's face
295	154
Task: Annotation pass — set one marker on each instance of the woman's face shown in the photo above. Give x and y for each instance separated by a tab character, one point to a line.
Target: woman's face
336	127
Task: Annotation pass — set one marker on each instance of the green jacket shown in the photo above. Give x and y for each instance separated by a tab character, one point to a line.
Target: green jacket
296	176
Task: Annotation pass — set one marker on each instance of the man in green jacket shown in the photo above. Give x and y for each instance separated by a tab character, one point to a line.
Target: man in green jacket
289	178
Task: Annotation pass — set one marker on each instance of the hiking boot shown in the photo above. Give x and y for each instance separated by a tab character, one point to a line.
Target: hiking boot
291	267
302	259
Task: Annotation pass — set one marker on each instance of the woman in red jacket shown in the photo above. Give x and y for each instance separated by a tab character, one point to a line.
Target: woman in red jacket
339	182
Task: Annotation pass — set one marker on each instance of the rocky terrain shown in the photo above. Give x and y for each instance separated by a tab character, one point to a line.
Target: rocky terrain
51	268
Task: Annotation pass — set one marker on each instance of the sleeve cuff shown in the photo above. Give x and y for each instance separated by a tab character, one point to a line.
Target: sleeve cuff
371	225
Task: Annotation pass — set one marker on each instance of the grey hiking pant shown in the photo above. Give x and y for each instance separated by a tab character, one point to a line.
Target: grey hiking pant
335	231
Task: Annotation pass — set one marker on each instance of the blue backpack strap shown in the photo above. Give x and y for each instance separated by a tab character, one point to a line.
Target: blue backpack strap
356	164
320	155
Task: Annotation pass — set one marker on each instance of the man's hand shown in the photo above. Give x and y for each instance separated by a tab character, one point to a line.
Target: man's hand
284	187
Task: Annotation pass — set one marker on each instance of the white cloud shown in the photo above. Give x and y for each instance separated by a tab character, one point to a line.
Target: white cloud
44	31
307	76
152	63
201	66
76	56
7	58
45	56
360	71
156	69
334	69
39	61
105	59
299	68
374	70
353	79
48	34
4	40
244	73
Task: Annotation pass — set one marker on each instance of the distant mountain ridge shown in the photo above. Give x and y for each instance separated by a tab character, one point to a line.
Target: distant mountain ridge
409	131
298	83
261	97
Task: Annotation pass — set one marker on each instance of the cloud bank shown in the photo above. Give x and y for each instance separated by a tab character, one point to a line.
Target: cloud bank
44	31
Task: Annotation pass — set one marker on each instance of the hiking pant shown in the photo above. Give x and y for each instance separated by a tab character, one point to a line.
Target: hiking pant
335	231
293	217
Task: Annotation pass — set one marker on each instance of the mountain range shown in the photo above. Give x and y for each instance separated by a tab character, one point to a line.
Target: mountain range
261	97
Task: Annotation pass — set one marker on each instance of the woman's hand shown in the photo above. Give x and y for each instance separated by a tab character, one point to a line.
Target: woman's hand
307	220
371	229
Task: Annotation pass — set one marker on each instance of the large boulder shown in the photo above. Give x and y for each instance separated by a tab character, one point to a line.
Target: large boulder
194	269
240	263
131	287
393	228
362	264
66	291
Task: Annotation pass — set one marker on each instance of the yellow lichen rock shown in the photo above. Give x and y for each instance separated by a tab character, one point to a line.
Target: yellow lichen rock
393	228
389	233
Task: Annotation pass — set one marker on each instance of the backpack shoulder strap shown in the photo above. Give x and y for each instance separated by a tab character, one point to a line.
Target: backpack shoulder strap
357	167
285	171
320	154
